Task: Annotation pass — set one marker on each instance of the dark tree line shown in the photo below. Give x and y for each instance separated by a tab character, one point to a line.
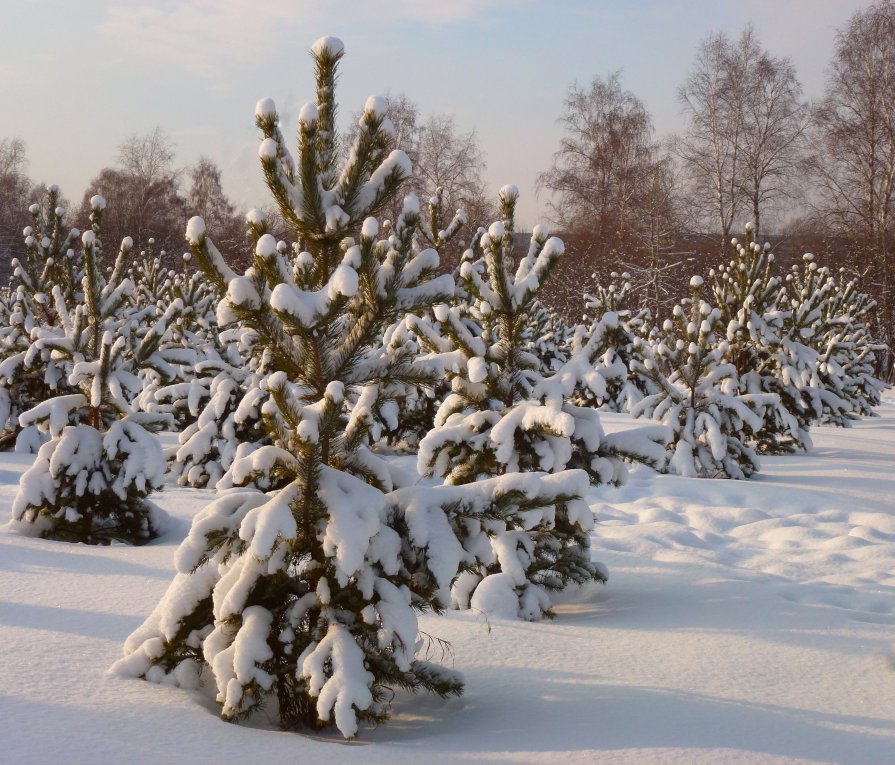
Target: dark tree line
17	193
148	198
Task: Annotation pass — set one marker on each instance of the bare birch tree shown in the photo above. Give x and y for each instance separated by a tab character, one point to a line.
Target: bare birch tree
442	156
746	123
604	167
613	193
16	193
207	199
855	164
774	127
143	195
711	148
609	184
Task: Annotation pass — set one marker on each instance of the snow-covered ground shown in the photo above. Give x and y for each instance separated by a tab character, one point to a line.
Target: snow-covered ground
744	622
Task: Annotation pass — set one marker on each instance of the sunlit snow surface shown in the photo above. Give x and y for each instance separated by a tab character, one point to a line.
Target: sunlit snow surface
744	622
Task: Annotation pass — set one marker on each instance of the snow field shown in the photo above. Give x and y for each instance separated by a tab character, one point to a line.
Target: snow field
743	622
828	516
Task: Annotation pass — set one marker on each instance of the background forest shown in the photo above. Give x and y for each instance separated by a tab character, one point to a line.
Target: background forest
813	176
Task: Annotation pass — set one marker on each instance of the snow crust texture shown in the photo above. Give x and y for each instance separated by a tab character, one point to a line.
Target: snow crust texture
746	622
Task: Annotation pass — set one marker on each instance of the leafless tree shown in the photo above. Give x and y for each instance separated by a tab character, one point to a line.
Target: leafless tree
855	164
603	167
449	159
711	148
142	195
659	270
13	161
613	191
206	197
148	158
443	156
746	123
17	192
774	126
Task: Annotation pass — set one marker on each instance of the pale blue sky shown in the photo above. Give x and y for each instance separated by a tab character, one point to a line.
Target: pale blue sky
78	77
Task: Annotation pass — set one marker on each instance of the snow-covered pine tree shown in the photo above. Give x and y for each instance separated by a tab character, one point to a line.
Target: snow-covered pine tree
698	394
193	344
198	322
224	398
302	600
149	276
49	259
807	327
827	314
9	340
624	388
401	422
439	228
90	480
766	357
488	368
227	400
504	417
851	347
153	291
418	412
547	337
49	264
20	388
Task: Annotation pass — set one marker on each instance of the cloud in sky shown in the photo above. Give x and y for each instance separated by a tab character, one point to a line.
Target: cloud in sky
196	67
438	11
209	38
205	37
